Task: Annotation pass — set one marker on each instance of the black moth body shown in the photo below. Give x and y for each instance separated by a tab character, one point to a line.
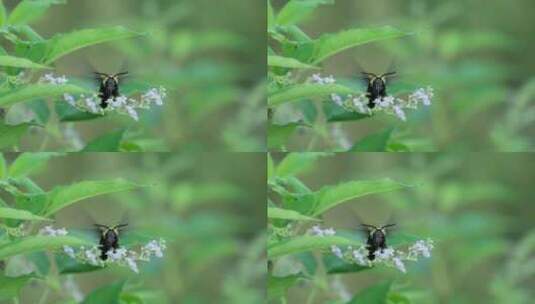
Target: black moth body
109	87
109	239
376	86
376	239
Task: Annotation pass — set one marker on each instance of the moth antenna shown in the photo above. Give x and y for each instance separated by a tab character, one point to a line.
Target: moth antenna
369	226
121	226
389	74
368	74
389	225
122	73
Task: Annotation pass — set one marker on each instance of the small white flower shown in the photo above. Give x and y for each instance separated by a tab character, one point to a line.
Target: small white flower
360	105
132	264
69	99
399	264
336	99
384	254
69	251
50	78
92	256
91	105
337	251
155	96
329	232
422	95
316	230
50	231
329	79
317	78
421	247
399	113
154	247
360	257
116	254
132	113
117	102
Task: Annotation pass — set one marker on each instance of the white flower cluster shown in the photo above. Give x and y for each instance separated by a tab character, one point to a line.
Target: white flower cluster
389	256
120	256
318	231
122	104
389	104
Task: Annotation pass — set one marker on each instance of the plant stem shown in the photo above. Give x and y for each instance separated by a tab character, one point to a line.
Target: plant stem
44	296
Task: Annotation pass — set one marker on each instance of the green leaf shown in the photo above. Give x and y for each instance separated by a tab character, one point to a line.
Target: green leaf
3	15
376	294
61	45
287	62
29	11
308	90
277	286
330	44
377	142
305	243
10	287
296	163
68	265
11	135
63	196
286	214
3	166
39	242
40	108
109	294
336	113
296	11
38	90
18	62
270	167
28	163
270	15
67	113
18	214
331	196
106	143
279	134
335	265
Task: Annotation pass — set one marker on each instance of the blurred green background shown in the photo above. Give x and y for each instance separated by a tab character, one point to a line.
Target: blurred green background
210	56
475	206
477	55
209	208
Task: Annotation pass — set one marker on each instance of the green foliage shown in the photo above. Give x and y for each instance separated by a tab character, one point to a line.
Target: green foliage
10	287
291	54
63	196
292	206
159	54
38	90
64	44
374	294
297	92
28	11
106	294
17	62
329	45
10	135
306	243
468	66
38	243
286	62
285	214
